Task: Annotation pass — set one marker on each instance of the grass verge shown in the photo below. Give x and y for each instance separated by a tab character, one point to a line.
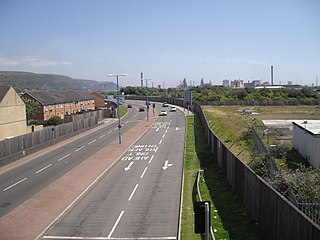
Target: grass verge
123	110
230	220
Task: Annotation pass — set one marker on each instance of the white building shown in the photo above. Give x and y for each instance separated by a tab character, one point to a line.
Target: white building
306	140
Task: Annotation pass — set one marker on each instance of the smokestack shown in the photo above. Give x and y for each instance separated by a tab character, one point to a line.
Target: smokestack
271	75
141	79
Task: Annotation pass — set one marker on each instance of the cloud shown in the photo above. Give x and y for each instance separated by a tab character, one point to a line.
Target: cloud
6	61
31	61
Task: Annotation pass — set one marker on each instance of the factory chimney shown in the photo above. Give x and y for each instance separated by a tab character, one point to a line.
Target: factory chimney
272	75
141	79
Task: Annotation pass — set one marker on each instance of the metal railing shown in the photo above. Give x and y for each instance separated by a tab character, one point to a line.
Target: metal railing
200	198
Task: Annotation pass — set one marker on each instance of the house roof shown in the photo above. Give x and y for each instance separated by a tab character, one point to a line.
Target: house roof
57	97
3	91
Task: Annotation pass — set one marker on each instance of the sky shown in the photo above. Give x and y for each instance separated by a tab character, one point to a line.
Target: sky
167	40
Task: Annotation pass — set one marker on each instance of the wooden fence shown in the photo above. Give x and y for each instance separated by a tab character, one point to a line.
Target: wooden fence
20	146
277	217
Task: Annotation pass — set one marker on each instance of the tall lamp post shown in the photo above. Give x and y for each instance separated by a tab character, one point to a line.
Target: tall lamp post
147	100
153	99
118	101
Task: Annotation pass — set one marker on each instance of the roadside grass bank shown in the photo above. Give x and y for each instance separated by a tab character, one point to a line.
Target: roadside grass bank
123	110
229	218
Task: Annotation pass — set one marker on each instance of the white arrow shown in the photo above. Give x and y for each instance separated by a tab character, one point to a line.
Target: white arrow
166	165
177	128
127	168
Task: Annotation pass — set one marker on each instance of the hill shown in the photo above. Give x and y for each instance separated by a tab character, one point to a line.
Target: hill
32	81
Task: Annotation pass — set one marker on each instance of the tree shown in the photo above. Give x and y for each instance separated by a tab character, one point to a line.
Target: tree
32	109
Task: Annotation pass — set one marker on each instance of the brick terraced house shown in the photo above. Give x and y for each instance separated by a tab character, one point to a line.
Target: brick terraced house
60	103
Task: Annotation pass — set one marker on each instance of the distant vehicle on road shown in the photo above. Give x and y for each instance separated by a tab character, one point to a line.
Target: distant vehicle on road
165	104
163	113
129	106
141	109
173	109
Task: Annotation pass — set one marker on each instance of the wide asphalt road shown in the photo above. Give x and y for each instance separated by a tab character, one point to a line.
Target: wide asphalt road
22	182
139	198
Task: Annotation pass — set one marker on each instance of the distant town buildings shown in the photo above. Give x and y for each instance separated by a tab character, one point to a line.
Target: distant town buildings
226	83
237	83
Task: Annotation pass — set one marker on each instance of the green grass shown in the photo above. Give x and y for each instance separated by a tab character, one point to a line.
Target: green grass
123	110
229	217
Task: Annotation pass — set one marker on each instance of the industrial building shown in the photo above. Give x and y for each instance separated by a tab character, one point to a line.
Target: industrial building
306	140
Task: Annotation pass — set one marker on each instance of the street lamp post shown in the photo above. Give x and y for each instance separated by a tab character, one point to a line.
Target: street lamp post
152	99
147	99
118	101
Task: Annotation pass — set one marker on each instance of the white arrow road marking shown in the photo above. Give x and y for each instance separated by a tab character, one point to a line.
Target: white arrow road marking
177	128
166	165
127	168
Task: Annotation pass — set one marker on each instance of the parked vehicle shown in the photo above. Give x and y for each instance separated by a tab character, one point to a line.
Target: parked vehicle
129	106
141	109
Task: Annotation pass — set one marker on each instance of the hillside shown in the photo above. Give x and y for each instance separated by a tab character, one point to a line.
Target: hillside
26	80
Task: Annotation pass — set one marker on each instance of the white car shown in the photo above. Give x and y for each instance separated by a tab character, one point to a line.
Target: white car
173	109
163	113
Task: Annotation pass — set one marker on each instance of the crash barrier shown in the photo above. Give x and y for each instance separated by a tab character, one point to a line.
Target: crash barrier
200	198
277	217
15	148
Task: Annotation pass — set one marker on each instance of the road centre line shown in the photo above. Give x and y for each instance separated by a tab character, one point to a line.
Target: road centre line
109	132
102	136
14	184
156	149
115	224
144	172
160	141
134	190
64	157
166	131
163	135
92	141
40	170
115	128
151	159
79	149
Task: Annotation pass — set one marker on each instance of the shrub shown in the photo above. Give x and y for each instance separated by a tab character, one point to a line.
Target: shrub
55	120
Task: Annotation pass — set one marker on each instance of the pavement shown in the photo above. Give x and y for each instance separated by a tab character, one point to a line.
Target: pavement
33	217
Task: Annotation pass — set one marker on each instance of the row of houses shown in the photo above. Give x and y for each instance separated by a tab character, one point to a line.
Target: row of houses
13	121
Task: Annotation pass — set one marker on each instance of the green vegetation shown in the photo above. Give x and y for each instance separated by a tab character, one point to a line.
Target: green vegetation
55	120
32	81
229	217
123	110
264	96
155	91
32	109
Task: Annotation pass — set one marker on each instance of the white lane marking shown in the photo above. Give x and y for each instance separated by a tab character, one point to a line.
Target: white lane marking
166	131
160	141
108	238
144	172
135	115
79	149
64	157
92	141
14	184
129	166
109	132
115	225
157	129
102	136
44	168
115	128
177	128
156	149
166	165
134	190
163	135
151	159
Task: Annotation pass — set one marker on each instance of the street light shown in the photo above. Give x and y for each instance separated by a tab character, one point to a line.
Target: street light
152	99
118	101
147	100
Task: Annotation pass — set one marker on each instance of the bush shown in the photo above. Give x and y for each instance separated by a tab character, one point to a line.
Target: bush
55	120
